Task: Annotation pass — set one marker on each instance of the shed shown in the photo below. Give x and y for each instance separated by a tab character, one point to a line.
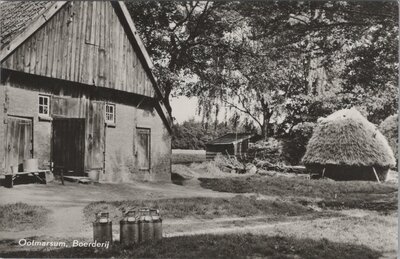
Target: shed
77	90
233	144
346	146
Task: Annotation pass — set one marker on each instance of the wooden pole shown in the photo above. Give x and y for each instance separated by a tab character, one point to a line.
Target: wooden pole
62	176
376	175
323	172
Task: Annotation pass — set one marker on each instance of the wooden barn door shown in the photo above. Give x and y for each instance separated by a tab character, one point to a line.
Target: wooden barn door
69	145
143	149
95	136
19	142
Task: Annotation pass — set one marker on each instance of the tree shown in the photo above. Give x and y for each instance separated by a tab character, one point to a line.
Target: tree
170	30
278	63
305	55
371	74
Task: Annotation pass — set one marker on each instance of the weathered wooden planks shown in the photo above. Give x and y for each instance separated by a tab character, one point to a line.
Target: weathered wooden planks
95	127
84	42
92	112
18	141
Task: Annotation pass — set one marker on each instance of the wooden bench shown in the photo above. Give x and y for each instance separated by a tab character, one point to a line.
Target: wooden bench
38	174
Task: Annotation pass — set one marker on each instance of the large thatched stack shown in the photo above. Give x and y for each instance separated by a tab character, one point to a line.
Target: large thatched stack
346	146
389	128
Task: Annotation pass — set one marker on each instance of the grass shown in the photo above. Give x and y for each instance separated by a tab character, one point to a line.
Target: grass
182	156
351	194
21	216
204	208
216	246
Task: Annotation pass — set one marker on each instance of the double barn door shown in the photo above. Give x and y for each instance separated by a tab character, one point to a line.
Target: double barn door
69	145
78	142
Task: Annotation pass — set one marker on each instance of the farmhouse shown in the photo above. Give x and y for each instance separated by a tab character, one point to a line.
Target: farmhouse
235	144
77	91
346	146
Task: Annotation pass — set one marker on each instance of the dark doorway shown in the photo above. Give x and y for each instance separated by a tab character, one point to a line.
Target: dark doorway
69	145
19	144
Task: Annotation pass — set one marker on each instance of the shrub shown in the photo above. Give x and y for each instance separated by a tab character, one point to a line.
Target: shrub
194	135
270	150
295	144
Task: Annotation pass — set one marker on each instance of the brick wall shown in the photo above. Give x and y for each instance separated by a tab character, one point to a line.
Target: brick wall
23	102
121	161
120	140
160	144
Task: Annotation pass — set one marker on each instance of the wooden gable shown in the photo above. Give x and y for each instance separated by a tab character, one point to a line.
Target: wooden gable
85	42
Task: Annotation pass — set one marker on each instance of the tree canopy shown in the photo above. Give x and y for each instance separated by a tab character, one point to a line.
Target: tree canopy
277	63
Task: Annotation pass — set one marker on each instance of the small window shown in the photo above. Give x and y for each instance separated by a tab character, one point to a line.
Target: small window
44	105
110	114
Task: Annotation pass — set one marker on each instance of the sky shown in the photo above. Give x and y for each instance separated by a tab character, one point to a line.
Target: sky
184	108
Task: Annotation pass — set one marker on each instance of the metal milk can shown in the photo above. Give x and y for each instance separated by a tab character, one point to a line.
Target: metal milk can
102	228
129	228
157	224
146	230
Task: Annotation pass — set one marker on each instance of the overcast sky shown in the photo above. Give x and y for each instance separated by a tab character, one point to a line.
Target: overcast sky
184	108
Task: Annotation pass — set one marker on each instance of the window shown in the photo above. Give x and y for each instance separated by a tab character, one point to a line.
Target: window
110	113
44	105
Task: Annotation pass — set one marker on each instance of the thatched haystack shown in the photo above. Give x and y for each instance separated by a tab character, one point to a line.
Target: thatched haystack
346	146
389	128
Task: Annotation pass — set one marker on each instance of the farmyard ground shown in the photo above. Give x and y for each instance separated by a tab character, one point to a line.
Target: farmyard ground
287	220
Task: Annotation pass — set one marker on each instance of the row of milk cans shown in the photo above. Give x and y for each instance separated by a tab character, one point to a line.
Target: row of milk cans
137	226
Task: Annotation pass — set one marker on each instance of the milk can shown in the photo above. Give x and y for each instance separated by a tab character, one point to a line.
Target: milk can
129	228
146	230
102	228
157	224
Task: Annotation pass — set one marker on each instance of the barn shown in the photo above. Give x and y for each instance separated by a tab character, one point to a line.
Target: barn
77	92
232	144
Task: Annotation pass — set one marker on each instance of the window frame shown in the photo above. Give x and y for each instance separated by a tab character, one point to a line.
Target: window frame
114	114
45	97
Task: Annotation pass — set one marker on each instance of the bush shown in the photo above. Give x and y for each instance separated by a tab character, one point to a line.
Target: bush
194	135
295	144
270	150
389	129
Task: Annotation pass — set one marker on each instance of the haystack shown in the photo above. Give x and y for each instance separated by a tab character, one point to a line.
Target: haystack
346	146
389	128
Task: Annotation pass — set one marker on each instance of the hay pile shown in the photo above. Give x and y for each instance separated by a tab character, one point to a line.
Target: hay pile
348	140
389	128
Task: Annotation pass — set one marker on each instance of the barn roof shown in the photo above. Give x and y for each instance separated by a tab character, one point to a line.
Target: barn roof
16	16
21	19
230	138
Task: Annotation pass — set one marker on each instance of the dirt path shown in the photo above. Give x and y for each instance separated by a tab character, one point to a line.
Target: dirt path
67	202
354	226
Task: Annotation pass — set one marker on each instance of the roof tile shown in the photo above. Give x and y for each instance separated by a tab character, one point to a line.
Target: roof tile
15	16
